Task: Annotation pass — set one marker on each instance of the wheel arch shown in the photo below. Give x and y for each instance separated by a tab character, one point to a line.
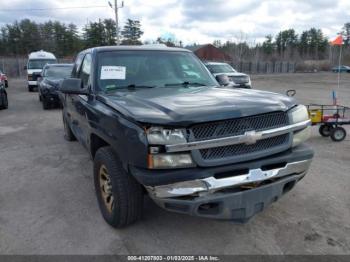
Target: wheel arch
96	142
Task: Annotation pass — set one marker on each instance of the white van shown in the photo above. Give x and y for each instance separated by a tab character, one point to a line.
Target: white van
36	62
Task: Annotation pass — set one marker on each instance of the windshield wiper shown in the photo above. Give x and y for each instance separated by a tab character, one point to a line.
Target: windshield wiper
137	86
186	84
132	86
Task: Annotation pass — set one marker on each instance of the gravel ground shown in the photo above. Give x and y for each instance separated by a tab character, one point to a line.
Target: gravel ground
48	205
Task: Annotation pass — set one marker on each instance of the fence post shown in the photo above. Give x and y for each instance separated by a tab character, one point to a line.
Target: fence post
18	70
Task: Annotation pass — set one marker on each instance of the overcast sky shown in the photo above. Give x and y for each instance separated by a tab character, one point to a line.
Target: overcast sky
199	21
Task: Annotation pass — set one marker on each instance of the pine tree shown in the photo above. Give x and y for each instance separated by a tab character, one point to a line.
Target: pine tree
132	33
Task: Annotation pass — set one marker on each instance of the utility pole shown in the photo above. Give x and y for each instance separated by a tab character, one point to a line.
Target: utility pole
116	7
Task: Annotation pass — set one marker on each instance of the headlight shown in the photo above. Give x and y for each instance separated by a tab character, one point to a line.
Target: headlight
299	114
160	161
164	136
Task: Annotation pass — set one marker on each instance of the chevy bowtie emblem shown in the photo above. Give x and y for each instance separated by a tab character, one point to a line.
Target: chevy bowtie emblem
251	137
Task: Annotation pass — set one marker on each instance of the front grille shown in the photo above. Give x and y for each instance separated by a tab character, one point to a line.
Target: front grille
235	127
239	126
34	77
239	79
243	149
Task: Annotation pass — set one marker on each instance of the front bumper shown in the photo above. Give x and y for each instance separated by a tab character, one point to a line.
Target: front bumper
248	86
33	83
235	192
236	206
213	184
51	96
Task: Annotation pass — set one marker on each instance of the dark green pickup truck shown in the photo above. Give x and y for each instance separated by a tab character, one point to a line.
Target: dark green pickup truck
157	123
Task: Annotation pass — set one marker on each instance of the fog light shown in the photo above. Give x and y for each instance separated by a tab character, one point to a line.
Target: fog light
301	136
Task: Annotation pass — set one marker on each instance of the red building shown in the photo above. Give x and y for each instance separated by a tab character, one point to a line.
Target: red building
209	52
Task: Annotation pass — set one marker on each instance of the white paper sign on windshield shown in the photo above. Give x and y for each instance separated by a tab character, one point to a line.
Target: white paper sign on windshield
113	72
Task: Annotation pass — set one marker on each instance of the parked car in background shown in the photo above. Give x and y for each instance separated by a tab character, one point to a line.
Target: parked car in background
3	96
49	83
237	79
35	65
341	69
3	78
155	122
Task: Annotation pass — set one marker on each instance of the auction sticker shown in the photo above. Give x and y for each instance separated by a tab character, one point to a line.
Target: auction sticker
113	72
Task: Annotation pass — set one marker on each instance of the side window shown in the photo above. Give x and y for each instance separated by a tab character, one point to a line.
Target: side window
85	70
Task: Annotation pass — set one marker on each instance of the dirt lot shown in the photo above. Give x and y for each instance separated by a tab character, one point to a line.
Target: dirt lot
48	206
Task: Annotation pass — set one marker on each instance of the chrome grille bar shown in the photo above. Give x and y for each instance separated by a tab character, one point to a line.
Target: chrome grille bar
249	137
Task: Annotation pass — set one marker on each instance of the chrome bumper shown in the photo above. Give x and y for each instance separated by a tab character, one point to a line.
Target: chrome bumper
211	184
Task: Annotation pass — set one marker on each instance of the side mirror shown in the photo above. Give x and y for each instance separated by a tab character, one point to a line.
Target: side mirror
223	80
73	86
25	67
39	79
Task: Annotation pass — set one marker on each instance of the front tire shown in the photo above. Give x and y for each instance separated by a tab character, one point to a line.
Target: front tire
68	134
30	88
46	104
119	195
4	102
338	134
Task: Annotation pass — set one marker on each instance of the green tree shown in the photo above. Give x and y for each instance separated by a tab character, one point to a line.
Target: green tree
94	34
346	32
29	39
313	44
169	42
74	41
268	46
217	43
110	32
132	33
286	41
14	38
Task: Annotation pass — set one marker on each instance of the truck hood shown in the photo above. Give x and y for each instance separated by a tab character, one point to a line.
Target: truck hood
186	106
53	82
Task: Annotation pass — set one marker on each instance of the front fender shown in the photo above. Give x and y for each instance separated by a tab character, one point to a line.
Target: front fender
127	138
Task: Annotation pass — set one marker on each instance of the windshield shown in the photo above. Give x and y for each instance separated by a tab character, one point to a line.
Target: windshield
58	72
220	68
40	63
120	69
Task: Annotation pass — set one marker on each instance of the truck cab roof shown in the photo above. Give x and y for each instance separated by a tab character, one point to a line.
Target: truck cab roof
155	47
